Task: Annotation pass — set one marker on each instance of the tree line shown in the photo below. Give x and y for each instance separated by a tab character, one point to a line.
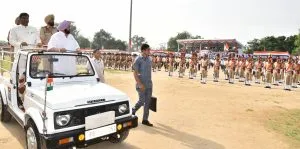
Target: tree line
289	44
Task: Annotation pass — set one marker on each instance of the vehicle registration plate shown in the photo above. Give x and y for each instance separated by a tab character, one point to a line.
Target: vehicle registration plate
99	132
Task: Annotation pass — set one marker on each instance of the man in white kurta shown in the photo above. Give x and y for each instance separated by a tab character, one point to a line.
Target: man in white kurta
98	64
63	41
24	35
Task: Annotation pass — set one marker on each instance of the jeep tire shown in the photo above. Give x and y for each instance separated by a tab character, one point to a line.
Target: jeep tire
32	136
4	114
119	138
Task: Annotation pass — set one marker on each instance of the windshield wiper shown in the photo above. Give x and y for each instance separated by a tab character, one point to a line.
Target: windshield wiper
80	74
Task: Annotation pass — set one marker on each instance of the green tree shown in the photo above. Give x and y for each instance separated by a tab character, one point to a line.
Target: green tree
137	42
271	43
296	51
74	31
3	43
83	42
254	45
103	39
172	43
290	43
197	37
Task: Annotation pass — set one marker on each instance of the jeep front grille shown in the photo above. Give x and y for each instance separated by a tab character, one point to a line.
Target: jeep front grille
78	115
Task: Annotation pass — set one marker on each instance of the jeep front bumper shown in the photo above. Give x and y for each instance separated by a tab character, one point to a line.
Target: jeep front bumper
54	141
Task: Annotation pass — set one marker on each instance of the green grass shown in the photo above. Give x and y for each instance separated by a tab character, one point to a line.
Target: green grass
288	124
4	64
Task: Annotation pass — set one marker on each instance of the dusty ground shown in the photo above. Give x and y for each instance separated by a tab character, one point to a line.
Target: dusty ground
192	115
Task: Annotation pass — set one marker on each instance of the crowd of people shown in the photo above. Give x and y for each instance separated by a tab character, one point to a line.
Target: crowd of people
248	70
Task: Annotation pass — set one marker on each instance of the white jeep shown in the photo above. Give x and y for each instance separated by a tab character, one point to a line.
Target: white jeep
77	112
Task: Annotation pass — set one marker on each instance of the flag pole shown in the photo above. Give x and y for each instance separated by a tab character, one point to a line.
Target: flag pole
44	115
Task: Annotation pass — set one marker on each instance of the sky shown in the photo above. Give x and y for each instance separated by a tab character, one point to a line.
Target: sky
158	20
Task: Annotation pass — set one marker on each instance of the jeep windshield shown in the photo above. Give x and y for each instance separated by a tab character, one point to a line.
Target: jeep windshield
60	65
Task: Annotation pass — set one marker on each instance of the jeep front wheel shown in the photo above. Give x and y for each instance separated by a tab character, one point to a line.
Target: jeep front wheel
32	136
4	114
119	137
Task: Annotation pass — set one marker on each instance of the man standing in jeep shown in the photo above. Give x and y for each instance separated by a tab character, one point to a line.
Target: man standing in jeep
142	75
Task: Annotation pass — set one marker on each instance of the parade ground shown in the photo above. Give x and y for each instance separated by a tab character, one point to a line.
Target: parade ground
201	116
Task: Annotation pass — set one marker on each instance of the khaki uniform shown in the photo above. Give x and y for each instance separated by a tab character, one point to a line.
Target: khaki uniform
193	68
277	66
46	33
182	67
231	71
227	69
237	69
296	74
258	74
217	66
171	66
154	62
204	66
249	67
242	70
128	62
289	75
269	71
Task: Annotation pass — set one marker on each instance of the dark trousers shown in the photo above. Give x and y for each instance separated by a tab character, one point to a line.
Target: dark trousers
144	100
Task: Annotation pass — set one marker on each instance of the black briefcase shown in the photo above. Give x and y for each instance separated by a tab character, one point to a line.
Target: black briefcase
153	104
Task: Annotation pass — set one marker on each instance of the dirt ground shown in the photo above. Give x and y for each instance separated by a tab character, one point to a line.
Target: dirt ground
193	115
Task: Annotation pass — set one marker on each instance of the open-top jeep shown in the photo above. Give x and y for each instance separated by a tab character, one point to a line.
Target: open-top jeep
58	100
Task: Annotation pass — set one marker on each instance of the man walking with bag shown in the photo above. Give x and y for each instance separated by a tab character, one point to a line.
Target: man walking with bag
142	75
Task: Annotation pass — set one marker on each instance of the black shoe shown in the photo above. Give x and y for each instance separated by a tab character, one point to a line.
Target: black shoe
133	112
147	123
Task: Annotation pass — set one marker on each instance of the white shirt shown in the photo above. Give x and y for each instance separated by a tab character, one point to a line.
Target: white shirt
60	40
99	66
21	34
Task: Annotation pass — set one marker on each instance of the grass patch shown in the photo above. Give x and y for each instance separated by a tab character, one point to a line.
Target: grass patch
288	124
4	64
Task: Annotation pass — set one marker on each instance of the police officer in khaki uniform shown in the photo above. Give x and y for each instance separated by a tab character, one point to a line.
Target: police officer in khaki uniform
258	73
182	65
204	66
237	69
242	70
231	70
277	67
47	31
193	66
227	68
249	68
269	71
296	68
289	69
217	65
171	65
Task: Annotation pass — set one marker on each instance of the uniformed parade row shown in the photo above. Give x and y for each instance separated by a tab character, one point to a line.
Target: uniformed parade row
270	71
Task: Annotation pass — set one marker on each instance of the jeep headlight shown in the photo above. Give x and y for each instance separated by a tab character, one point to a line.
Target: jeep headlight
63	120
123	108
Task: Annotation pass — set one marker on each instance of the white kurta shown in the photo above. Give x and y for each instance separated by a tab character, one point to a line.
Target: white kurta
21	34
65	65
99	66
